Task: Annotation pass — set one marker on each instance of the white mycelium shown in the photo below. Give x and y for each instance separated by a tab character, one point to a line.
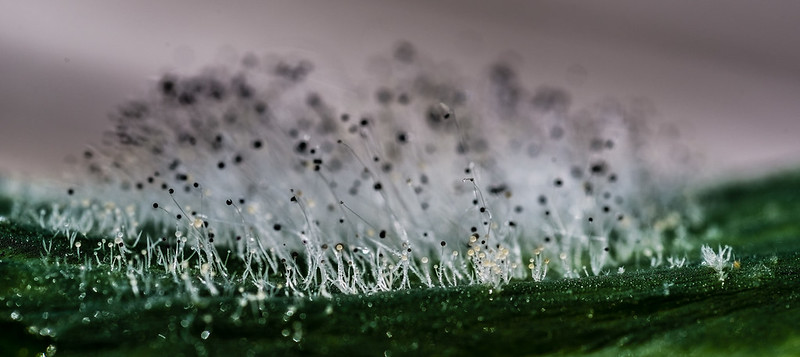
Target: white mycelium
260	176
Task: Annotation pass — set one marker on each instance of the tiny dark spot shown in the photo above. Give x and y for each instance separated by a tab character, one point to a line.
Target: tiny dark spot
186	98
588	188
168	86
551	99
301	147
405	52
402	137
403	99
260	107
384	96
497	189
576	172
598	168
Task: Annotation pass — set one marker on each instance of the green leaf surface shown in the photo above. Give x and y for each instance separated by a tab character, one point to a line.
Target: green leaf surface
48	303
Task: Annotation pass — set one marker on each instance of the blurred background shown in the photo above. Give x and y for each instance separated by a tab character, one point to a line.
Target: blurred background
726	73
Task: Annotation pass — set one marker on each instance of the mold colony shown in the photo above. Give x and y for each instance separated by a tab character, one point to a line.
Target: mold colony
262	176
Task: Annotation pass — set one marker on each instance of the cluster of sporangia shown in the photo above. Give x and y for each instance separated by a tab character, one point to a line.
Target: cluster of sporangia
417	179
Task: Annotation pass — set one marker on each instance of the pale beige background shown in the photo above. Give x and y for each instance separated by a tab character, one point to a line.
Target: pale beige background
727	72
